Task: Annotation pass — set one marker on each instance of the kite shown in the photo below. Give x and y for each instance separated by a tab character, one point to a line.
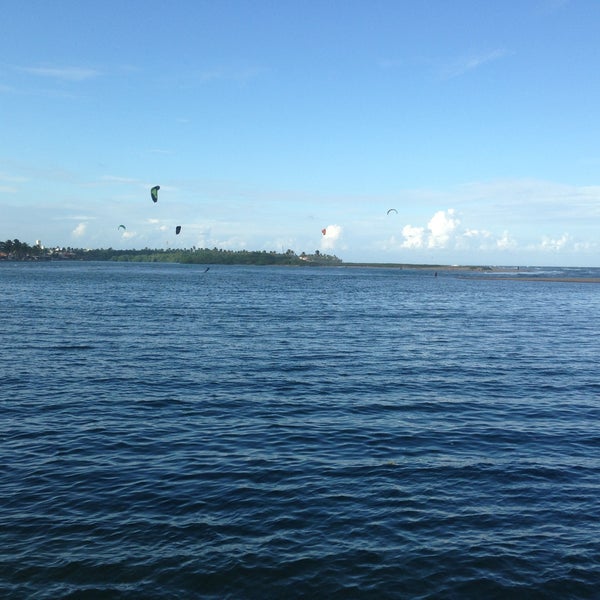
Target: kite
392	210
324	231
122	227
154	193
177	230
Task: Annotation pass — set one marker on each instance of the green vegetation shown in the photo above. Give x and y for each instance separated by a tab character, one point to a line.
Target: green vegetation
16	250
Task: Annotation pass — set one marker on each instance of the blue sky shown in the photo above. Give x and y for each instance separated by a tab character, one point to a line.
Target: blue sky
266	121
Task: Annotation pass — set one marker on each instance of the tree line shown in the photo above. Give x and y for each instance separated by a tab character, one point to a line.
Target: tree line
16	250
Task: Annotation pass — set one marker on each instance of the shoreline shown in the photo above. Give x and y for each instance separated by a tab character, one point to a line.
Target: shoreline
493	273
546	279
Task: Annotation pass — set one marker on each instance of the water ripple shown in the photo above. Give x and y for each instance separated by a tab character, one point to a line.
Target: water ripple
278	432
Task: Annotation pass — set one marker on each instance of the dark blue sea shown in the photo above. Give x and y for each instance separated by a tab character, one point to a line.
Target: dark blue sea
272	432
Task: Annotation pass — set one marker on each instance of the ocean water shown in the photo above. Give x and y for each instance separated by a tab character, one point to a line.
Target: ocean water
269	432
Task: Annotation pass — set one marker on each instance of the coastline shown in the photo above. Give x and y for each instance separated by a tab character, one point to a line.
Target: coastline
262	258
546	279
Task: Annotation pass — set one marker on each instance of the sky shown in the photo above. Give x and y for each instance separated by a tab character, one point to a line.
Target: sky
265	122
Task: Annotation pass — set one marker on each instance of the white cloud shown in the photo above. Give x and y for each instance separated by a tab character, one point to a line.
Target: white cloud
12	178
472	238
413	236
463	64
506	242
555	244
67	73
331	236
440	231
118	179
444	232
73	218
443	67
584	246
441	227
79	230
474	233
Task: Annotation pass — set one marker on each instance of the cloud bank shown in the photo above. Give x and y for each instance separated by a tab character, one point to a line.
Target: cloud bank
444	235
438	233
